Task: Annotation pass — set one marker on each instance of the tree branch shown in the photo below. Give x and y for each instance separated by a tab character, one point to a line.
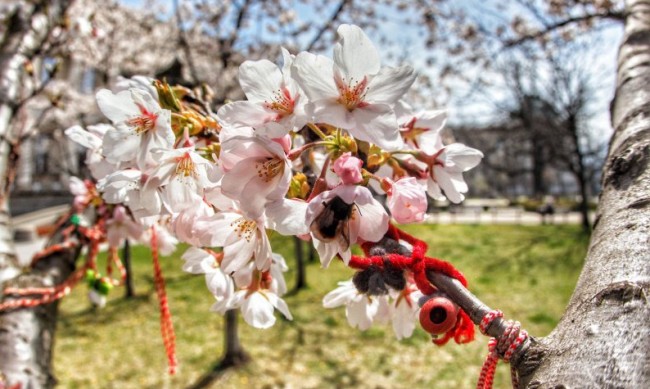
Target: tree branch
226	50
462	297
612	15
327	24
185	45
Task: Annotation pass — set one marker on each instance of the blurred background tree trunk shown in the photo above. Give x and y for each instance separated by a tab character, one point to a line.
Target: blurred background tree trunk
26	335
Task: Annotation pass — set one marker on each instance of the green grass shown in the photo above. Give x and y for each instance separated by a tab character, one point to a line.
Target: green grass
527	272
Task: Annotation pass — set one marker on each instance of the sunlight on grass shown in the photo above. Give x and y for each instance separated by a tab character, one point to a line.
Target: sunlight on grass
527	272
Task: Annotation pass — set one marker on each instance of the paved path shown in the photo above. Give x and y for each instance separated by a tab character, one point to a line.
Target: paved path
503	216
26	226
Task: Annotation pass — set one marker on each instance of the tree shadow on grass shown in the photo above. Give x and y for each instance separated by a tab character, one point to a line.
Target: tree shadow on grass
226	364
240	359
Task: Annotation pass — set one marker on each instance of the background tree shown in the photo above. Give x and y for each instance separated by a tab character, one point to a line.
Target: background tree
546	121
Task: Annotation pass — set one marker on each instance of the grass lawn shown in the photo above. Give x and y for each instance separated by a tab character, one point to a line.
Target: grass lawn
527	272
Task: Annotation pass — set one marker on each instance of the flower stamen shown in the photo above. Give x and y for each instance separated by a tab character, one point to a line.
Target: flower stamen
244	228
352	94
269	169
282	103
185	166
144	122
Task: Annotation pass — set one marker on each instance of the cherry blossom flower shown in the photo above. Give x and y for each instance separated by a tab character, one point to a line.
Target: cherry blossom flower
446	167
184	223
243	239
407	200
198	261
82	195
142	83
274	105
287	216
92	140
337	218
140	126
422	128
256	171
121	227
404	311
257	307
278	267
360	309
353	92
259	295
123	187
182	174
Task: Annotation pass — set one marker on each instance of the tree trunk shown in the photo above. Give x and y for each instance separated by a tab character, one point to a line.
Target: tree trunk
580	173
602	340
234	354
128	281
584	198
26	335
301	279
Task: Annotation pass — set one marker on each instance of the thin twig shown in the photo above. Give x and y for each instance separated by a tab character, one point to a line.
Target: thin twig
327	24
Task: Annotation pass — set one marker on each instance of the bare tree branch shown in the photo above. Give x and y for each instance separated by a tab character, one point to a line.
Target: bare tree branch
327	25
611	15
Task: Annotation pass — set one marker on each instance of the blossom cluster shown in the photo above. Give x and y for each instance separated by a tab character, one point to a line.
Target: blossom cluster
306	154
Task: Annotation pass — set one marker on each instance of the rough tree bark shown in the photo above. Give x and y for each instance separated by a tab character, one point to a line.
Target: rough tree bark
602	341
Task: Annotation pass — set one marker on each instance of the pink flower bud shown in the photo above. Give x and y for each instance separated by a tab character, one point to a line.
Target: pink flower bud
348	168
407	201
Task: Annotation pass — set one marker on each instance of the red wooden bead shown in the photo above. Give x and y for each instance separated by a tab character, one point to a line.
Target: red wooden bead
438	315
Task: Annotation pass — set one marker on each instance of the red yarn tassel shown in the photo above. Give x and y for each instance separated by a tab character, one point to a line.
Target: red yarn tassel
166	325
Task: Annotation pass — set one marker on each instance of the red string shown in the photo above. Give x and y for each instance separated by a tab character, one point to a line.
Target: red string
419	264
54	293
48	295
503	348
166	325
114	258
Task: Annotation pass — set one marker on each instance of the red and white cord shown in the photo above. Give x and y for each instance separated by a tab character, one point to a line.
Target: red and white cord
502	348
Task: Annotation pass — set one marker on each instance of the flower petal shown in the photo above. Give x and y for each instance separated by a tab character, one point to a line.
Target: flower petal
117	107
373	221
448	184
83	137
390	85
244	113
315	75
287	216
259	80
258	311
376	123
355	54
463	158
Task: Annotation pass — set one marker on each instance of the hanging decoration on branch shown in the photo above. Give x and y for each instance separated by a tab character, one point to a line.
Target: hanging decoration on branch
305	155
